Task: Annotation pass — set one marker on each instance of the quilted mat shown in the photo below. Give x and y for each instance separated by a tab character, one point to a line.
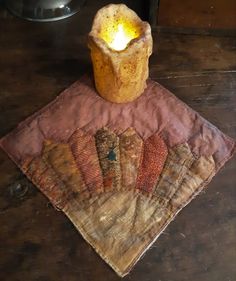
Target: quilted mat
120	172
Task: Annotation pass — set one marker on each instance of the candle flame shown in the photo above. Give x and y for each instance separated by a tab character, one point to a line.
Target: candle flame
120	40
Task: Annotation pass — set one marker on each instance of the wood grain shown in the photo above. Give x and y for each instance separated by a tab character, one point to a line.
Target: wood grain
38	243
199	14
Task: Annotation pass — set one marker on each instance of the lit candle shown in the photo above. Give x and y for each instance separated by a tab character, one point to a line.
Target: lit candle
120	40
120	44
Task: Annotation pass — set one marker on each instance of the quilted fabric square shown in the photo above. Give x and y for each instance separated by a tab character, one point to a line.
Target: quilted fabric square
120	172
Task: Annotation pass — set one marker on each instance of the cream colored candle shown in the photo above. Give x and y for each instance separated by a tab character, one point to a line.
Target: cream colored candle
120	44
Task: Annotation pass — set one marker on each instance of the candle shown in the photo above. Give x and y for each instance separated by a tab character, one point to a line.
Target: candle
120	44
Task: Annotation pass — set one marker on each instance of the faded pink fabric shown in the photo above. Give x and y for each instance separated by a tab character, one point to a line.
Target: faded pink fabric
155	111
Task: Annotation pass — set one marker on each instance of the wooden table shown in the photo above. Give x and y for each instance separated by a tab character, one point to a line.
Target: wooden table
38	243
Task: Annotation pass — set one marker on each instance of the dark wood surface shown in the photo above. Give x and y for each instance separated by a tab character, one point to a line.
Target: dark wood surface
38	243
199	14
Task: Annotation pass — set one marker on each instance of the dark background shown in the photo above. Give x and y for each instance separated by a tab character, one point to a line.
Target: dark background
37	62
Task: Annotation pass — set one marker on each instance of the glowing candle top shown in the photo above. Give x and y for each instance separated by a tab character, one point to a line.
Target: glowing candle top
121	39
116	27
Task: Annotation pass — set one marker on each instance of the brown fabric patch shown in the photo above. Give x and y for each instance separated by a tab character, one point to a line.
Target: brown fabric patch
178	161
60	159
107	144
119	226
41	174
200	171
130	155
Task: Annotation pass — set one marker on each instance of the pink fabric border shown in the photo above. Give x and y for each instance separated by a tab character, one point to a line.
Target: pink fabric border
156	111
